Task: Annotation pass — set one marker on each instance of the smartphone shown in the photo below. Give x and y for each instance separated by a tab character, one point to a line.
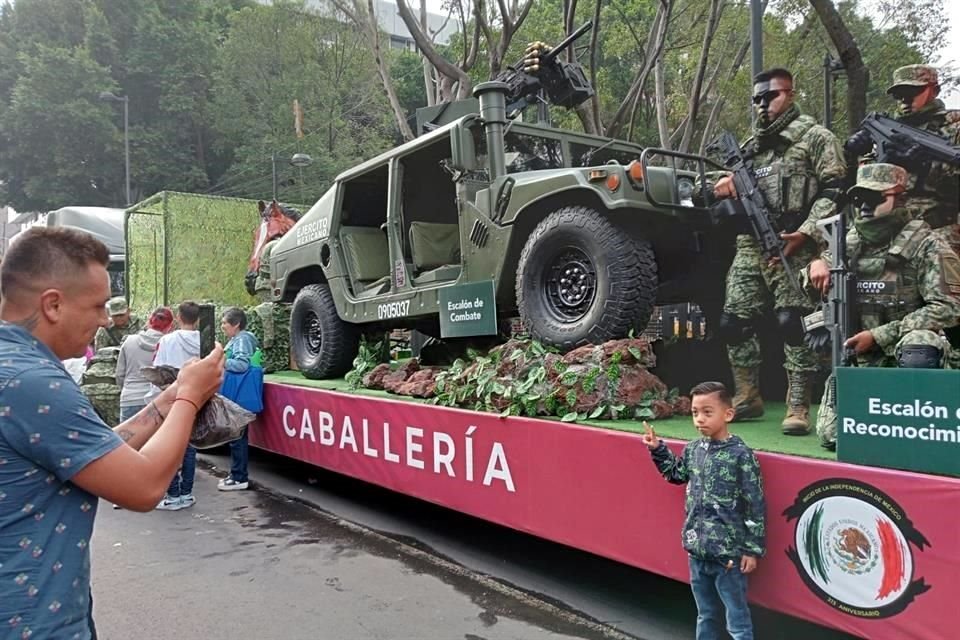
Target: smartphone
208	329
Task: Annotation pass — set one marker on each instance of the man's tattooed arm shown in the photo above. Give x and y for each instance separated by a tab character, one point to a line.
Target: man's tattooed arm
140	428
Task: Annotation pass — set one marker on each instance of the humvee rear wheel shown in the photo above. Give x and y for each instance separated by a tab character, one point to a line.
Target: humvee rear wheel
324	346
583	280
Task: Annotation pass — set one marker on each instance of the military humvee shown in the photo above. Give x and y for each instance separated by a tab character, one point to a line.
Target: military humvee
579	235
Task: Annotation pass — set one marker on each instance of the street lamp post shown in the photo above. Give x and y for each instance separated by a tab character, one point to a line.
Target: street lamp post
299	160
107	96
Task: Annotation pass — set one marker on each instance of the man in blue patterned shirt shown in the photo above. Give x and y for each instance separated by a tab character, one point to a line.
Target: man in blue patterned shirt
56	455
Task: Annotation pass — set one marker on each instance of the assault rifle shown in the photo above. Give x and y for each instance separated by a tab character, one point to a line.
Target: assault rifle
899	143
565	83
837	315
750	202
835	319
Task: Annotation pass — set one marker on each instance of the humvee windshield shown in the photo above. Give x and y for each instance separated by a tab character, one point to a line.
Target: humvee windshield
527	151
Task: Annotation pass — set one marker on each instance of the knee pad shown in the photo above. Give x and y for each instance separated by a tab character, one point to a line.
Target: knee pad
734	329
920	356
953	336
790	322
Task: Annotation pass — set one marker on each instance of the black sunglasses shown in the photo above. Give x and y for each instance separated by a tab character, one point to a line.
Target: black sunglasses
906	92
869	198
767	96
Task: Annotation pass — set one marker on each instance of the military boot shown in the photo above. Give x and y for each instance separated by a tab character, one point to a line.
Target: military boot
747	403
797	421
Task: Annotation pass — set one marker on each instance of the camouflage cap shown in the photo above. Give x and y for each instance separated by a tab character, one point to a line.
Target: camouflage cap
914	75
879	176
117	306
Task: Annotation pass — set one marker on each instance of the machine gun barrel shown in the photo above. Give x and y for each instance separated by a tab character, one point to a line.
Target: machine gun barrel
751	202
561	46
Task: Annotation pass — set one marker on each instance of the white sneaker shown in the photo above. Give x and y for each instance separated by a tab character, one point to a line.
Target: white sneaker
187	501
170	504
229	484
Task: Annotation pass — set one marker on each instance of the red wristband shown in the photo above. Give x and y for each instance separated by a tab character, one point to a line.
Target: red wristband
196	408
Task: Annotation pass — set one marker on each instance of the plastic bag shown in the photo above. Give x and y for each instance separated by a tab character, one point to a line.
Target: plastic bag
220	419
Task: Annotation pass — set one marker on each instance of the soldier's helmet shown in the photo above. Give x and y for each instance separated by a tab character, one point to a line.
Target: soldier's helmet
914	75
878	177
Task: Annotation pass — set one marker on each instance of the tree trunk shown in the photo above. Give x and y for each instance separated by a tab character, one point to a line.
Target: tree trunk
428	87
849	53
693	104
658	83
383	70
654	53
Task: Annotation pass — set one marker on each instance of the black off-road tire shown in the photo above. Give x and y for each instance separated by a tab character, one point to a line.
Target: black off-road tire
614	280
324	346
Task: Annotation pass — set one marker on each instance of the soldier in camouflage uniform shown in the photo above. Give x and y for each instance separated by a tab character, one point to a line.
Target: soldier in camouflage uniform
908	283
934	191
800	168
99	384
123	324
99	381
724	531
270	321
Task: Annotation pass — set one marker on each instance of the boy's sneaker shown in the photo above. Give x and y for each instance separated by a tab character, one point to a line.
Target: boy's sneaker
187	501
170	504
229	484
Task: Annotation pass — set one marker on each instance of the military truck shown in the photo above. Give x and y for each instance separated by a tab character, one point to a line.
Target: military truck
578	235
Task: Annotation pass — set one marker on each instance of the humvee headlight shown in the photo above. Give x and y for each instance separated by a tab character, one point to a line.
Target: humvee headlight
635	171
685	191
613	181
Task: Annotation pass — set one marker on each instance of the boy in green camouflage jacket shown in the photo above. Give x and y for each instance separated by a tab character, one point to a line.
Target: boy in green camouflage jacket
724	531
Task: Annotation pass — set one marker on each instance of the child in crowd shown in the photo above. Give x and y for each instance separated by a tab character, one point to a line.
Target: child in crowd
243	383
176	349
724	530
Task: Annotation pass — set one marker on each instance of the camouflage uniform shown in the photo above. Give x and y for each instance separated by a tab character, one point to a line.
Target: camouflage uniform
797	163
725	510
921	290
113	336
270	321
935	197
99	384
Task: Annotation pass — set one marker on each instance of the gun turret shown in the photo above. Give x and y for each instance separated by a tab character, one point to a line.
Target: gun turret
564	83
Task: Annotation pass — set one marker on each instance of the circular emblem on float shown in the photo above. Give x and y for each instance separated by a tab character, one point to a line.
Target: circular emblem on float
854	548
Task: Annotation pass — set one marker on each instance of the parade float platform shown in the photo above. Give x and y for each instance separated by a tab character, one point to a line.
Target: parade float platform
874	552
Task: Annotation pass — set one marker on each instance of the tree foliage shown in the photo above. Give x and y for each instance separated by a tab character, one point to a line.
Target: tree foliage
212	83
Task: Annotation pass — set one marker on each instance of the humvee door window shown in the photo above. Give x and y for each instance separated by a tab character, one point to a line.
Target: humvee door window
531	153
524	152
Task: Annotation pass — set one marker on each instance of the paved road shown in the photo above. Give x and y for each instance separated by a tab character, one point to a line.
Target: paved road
312	554
254	565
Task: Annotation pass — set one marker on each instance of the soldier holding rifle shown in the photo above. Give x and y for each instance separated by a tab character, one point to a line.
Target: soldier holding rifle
907	283
800	170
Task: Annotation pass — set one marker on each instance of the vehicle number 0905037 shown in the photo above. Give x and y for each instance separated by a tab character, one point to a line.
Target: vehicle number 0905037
393	309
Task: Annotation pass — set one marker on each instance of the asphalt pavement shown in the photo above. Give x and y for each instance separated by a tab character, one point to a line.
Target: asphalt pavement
251	564
311	554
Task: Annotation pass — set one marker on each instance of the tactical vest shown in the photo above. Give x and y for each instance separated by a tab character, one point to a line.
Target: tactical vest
888	283
785	174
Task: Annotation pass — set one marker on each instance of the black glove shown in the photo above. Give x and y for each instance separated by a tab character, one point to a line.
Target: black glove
910	157
859	144
817	340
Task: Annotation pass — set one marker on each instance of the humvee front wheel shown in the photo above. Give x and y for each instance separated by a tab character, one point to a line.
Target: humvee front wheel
324	346
583	280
